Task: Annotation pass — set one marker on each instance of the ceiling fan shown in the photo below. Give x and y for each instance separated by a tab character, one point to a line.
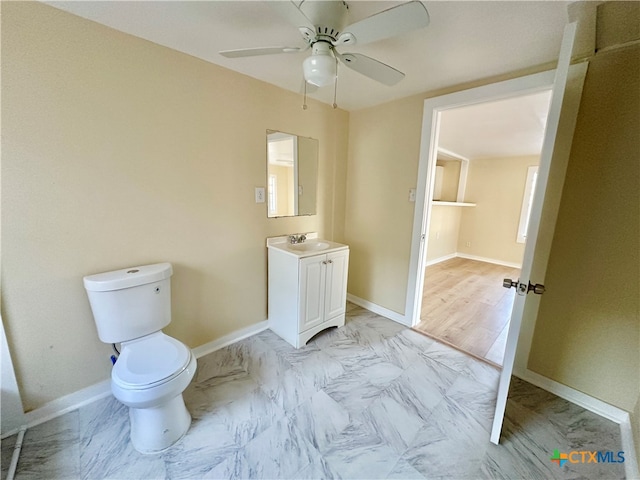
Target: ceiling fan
322	24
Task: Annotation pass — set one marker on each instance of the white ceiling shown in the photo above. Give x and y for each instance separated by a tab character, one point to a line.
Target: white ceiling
464	42
506	128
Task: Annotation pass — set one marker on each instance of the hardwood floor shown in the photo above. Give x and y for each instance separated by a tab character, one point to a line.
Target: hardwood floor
465	305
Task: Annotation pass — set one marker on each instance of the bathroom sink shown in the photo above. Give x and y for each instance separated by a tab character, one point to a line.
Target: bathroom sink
310	246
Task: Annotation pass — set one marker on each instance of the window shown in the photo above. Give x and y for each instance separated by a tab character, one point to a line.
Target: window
273	200
527	202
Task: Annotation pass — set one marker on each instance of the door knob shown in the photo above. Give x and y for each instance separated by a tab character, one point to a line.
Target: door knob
538	288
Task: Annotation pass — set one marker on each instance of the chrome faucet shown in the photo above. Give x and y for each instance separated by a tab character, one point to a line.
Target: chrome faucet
299	238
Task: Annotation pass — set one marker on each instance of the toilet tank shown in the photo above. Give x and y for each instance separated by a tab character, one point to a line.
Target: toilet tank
130	303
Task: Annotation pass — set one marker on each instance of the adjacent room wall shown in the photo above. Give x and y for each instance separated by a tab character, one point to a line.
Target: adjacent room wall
444	231
119	152
496	186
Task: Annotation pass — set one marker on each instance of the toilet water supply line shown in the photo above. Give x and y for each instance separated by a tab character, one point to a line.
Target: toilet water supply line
16	453
114	358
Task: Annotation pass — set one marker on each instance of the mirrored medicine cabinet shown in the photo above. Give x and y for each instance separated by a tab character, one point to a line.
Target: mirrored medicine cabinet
292	174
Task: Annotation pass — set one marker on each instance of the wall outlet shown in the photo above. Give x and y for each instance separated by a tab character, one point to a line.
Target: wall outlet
437	235
412	194
468	244
259	194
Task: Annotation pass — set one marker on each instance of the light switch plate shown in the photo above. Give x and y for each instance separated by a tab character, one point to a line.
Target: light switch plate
259	194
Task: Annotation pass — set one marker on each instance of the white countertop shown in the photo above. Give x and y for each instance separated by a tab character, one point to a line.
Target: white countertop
312	246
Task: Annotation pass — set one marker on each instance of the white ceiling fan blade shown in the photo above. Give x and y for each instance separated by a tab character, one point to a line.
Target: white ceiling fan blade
253	52
371	68
388	23
292	14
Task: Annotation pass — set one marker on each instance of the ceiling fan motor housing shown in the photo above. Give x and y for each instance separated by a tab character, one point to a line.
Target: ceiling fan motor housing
329	17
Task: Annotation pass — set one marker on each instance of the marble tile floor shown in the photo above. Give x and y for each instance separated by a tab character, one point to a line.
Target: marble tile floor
370	400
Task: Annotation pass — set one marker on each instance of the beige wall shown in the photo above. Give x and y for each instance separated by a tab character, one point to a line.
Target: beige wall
587	335
118	152
384	143
496	186
444	230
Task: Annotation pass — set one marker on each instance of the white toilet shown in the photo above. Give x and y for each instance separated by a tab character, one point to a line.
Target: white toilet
130	307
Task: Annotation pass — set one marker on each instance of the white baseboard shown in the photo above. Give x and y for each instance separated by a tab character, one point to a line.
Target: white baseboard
583	400
66	404
489	260
441	259
472	257
233	337
385	312
101	390
631	469
596	406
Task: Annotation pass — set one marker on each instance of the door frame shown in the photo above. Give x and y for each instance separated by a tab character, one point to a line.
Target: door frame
517	87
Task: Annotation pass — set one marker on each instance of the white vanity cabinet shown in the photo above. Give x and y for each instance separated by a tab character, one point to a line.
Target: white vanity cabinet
307	289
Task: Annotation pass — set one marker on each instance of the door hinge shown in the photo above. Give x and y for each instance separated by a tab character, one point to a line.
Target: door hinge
523	288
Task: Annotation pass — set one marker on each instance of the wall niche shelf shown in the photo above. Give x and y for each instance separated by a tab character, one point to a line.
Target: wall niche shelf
448	156
453	204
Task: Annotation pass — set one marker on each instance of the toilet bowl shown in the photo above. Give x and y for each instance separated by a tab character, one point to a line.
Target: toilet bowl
130	307
149	377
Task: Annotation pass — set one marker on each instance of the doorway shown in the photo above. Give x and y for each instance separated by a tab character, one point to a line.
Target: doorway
486	163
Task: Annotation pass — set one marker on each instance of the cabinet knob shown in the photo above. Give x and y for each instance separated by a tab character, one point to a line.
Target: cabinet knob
324	262
329	261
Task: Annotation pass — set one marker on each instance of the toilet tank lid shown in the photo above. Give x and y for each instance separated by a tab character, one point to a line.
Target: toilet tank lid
127	277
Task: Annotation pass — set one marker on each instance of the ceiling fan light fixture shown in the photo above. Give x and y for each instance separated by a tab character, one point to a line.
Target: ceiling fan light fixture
320	68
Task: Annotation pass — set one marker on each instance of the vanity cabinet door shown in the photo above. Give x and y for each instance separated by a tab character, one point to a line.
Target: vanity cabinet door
336	284
313	271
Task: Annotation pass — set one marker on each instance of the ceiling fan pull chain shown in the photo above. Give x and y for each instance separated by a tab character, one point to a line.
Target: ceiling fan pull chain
304	103
335	86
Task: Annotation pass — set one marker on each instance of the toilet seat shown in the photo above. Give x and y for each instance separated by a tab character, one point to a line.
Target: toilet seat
149	361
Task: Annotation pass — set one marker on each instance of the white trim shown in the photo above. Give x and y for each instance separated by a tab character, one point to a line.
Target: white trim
631	469
385	312
494	261
101	390
603	409
489	260
65	404
452	155
441	259
233	337
436	203
583	400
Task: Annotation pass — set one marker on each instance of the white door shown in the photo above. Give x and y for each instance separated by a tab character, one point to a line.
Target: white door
12	414
312	280
570	92
336	287
563	89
